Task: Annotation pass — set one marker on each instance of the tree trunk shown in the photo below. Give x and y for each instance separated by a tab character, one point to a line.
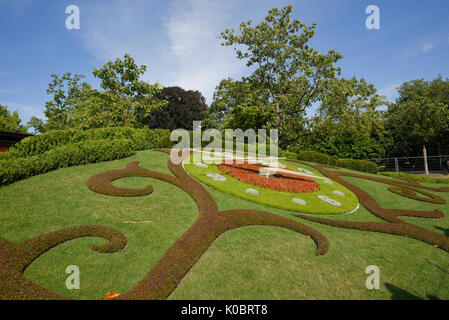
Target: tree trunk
426	167
278	120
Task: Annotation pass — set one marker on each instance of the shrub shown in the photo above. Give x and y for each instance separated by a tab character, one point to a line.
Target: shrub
358	165
288	154
89	151
416	177
140	138
316	157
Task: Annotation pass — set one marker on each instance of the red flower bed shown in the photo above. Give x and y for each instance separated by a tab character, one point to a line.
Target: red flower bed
280	181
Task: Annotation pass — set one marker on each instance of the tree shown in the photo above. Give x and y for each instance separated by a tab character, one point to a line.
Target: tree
246	118
37	124
184	107
66	92
286	65
420	114
11	122
347	123
230	94
126	100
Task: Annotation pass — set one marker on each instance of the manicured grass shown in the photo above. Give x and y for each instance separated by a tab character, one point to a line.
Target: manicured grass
61	198
247	263
279	199
275	263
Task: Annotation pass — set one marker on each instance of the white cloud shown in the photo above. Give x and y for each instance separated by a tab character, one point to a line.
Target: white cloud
179	47
193	29
427	47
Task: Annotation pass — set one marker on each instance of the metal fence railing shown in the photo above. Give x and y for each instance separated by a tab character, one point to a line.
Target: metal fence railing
413	164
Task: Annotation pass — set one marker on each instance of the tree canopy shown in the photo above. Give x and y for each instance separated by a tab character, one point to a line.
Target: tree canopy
10	122
125	99
184	107
420	116
293	72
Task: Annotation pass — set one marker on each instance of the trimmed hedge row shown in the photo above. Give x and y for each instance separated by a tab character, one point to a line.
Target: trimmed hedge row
316	157
89	151
358	165
322	158
415	177
140	139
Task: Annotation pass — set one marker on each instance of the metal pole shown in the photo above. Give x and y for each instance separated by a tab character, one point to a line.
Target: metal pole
396	164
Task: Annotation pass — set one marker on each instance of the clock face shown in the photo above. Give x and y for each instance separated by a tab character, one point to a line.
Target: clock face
280	184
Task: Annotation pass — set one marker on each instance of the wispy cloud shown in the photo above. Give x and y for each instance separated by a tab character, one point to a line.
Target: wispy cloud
193	29
427	47
179	46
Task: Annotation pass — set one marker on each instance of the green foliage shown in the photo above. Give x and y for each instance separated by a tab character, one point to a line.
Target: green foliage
230	94
415	177
140	138
247	118
288	155
292	72
89	151
347	124
11	122
358	165
322	158
67	91
419	117
125	100
316	157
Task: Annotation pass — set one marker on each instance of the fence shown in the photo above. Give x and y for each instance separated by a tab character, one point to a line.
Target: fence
413	164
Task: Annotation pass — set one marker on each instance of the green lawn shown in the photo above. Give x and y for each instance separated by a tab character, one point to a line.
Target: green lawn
247	263
278	199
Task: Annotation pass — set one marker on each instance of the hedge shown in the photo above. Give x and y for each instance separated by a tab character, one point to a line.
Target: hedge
89	151
415	177
316	157
358	165
141	139
288	154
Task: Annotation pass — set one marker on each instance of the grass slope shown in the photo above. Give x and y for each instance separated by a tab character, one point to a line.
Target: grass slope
251	262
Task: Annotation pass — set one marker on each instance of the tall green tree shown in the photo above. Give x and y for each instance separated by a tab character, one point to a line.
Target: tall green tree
348	123
126	99
245	118
285	64
10	122
66	92
420	116
230	94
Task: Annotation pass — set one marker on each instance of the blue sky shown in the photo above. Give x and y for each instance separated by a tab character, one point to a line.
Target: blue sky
177	40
